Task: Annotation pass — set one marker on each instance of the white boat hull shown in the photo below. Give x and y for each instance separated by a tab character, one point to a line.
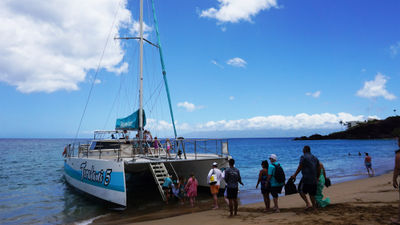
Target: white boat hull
104	179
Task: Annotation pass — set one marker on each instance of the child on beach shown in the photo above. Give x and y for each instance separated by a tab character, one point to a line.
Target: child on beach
368	164
181	186
191	189
175	189
262	178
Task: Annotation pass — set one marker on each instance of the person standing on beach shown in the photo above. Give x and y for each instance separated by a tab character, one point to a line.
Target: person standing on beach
262	178
214	179
275	187
191	189
368	164
232	178
167	187
309	167
396	172
226	188
320	186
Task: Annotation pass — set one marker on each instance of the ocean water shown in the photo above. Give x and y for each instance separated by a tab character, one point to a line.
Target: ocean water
35	192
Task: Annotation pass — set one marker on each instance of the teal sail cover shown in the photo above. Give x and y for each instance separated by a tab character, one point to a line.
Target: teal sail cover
130	122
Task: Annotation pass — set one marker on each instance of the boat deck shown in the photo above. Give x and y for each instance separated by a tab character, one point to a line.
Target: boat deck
142	158
130	152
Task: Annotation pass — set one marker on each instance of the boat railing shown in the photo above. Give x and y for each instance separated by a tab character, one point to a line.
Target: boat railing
132	148
205	146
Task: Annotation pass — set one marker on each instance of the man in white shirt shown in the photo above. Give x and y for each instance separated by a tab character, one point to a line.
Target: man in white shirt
214	179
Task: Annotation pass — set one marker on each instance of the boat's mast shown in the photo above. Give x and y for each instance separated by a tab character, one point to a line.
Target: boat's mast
164	72
141	74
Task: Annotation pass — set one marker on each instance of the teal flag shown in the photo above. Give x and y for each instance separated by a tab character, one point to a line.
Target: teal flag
130	122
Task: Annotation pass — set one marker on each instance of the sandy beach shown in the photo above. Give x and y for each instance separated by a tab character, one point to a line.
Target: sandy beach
371	200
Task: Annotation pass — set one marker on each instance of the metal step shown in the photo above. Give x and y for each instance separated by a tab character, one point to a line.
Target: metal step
159	172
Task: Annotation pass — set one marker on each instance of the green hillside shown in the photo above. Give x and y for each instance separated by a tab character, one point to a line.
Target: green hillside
376	129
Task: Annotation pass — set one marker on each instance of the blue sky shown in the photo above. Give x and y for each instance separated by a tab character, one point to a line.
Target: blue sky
253	68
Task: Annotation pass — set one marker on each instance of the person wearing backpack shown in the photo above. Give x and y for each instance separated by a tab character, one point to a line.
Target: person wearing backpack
275	180
214	180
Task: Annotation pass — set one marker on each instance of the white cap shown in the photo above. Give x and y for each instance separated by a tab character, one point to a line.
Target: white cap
215	164
273	156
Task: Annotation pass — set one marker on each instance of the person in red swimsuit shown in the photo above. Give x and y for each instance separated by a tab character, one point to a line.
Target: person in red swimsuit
368	164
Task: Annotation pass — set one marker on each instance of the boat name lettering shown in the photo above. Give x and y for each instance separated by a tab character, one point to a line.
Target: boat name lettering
95	176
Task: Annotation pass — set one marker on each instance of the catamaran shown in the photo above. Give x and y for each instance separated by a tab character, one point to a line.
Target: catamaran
113	160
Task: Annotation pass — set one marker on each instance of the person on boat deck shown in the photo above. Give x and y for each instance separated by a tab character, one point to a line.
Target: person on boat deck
148	138
214	179
124	135
168	147
167	186
112	136
156	145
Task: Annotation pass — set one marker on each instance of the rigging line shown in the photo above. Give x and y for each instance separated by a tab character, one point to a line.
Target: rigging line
97	71
153	107
155	101
113	104
163	68
155	90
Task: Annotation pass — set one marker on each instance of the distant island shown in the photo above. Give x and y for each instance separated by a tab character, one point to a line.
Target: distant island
371	129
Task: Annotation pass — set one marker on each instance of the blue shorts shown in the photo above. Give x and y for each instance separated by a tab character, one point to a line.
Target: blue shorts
368	165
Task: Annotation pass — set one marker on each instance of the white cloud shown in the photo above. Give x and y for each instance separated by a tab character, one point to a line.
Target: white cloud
314	95
190	107
135	29
97	81
274	122
47	46
121	69
216	63
237	62
231	98
376	88
234	11
394	49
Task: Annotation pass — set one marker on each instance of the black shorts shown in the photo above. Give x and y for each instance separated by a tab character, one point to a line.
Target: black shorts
166	188
232	193
310	189
264	191
275	191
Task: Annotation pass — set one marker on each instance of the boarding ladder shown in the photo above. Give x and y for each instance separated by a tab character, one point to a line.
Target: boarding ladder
159	172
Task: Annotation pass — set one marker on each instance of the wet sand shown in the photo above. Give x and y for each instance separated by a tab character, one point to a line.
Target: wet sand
371	200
